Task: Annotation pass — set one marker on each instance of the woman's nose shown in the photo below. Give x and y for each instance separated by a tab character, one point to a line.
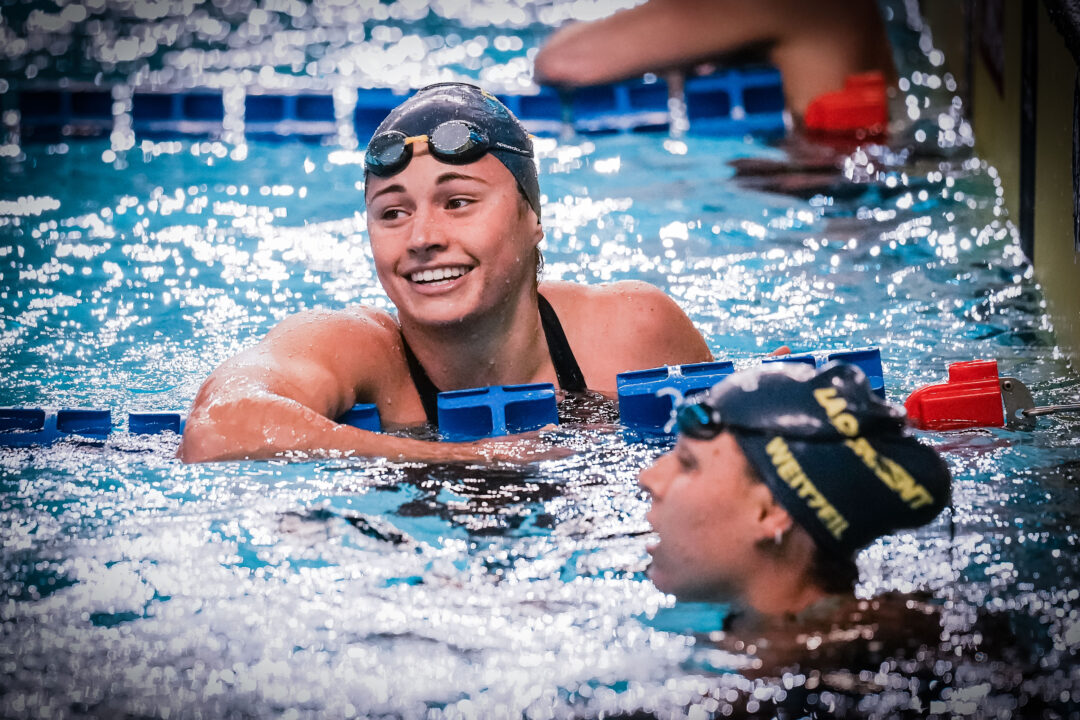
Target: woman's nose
427	232
653	479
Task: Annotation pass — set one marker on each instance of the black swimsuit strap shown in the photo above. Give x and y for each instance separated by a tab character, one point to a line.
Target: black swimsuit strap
429	394
567	369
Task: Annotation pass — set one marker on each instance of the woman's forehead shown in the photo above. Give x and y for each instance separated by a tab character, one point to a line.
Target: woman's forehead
721	452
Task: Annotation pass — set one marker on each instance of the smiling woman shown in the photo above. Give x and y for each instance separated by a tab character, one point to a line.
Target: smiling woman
454	221
413	221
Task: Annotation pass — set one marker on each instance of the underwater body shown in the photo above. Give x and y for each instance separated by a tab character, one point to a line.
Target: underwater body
130	268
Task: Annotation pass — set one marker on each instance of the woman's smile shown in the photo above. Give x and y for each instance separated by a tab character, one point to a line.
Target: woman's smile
438	280
438	275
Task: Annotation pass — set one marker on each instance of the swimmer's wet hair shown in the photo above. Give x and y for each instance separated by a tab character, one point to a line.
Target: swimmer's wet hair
834	574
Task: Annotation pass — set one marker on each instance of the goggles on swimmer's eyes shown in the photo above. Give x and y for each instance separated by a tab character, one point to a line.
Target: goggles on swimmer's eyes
699	421
455	141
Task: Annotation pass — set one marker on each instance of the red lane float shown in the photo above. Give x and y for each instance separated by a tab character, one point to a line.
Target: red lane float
861	106
974	396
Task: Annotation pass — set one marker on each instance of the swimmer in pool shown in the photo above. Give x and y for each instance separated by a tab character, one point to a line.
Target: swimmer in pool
779	476
816	46
453	212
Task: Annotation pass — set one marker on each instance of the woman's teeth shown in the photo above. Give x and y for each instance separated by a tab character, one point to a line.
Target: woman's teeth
426	276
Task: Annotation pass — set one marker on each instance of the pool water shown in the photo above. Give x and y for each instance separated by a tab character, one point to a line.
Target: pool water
133	585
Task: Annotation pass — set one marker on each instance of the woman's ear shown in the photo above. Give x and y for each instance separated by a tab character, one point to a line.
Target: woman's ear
772	520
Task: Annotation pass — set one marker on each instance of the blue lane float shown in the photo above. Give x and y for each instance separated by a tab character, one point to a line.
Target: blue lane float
23	427
306	116
20	427
152	423
47	115
497	410
730	101
867	359
198	113
647	397
749	100
362	415
646	400
634	106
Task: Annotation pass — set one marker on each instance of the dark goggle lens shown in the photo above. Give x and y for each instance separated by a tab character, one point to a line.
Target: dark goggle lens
698	421
454	141
386	153
457	140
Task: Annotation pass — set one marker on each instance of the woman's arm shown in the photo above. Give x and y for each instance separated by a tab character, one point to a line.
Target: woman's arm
279	397
658	35
815	45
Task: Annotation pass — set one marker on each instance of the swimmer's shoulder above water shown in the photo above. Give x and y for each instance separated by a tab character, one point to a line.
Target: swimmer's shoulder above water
454	223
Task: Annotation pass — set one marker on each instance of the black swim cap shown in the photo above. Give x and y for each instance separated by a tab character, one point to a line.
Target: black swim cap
435	104
836	456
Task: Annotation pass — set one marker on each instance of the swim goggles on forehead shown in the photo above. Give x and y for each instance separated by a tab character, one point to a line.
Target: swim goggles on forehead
455	141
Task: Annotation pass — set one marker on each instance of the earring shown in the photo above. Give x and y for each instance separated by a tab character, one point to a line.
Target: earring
779	537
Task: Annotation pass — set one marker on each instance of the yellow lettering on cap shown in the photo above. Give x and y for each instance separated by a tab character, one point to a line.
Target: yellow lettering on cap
835	408
778	451
891	473
911	492
827	399
789	470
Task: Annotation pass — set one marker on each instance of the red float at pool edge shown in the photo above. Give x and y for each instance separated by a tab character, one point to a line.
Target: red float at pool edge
971	398
861	105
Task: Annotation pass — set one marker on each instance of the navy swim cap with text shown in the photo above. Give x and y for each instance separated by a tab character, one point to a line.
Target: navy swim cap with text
836	456
436	104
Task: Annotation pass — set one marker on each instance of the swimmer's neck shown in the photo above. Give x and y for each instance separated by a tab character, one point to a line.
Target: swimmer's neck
782	603
784	583
504	347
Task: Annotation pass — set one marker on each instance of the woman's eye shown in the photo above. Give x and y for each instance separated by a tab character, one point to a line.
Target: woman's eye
457	203
686	463
391	214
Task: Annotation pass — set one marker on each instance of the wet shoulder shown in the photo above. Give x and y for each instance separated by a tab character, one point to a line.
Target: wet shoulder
602	303
360	346
629	310
356	323
628	325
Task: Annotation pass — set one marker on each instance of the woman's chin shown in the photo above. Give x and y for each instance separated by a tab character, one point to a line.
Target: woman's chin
659	579
431	312
438	320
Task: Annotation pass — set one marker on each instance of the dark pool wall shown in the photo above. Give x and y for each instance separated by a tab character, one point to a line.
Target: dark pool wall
1018	65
